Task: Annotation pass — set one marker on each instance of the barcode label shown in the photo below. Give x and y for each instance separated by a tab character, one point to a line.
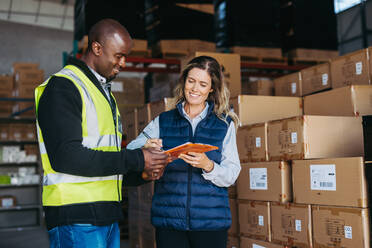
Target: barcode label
257	246
258	178
358	68
293	88
294	138
261	220
325	79
348	230
117	86
258	141
298	226
323	177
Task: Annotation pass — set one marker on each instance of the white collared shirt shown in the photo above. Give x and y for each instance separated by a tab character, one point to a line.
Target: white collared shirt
103	82
223	174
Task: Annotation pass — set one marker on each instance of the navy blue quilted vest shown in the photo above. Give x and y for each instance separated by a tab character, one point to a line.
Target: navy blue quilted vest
183	199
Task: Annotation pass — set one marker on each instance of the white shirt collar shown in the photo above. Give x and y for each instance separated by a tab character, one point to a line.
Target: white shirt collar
202	114
101	79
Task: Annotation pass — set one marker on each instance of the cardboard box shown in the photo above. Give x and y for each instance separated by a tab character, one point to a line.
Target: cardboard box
232	242
230	67
354	100
24	66
316	78
252	143
4	131
352	68
340	227
265	181
291	225
30	76
128	90
234	229
24	109
143	117
161	106
6	82
312	54
263	87
232	191
314	136
254	220
258	109
26	91
337	181
251	243
288	85
130	125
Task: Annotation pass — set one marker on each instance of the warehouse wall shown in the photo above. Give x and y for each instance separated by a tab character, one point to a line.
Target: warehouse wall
33	44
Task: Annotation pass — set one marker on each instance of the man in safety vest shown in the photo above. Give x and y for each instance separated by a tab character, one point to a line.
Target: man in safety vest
79	132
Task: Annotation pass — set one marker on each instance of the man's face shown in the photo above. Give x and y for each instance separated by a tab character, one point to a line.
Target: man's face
112	58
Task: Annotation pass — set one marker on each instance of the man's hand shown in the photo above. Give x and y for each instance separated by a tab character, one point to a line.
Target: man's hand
155	162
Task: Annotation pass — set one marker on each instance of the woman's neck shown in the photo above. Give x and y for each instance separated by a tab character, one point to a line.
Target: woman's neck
193	110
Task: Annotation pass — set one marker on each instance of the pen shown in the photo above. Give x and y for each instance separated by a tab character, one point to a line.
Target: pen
146	135
149	137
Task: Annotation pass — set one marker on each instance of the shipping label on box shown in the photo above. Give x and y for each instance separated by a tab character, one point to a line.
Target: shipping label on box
265	181
355	100
251	142
352	68
259	109
288	85
310	137
254	219
291	224
337	181
230	64
340	227
316	78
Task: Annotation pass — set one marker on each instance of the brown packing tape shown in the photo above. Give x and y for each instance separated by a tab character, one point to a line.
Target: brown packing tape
333	245
335	211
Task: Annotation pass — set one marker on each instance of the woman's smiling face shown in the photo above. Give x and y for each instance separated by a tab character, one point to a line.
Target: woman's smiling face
198	85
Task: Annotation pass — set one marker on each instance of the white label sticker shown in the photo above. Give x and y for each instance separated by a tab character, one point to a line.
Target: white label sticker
258	141
358	68
323	177
7	202
117	86
261	220
258	178
257	246
325	79
298	226
294	138
348	232
293	88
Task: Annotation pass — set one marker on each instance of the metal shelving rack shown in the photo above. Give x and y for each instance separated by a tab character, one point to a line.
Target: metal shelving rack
28	215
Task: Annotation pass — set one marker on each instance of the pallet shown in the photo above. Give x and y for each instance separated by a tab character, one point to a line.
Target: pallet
310	56
264	60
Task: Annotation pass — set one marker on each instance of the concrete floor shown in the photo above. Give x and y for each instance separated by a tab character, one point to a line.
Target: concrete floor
32	238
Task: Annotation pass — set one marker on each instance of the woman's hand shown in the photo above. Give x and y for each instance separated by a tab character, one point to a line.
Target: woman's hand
198	160
155	143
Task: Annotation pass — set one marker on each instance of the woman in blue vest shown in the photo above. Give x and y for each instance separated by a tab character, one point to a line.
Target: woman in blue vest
190	206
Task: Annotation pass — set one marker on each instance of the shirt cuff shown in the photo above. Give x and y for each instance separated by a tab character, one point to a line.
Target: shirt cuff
213	173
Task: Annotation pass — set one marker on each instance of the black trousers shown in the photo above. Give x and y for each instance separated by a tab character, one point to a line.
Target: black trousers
190	239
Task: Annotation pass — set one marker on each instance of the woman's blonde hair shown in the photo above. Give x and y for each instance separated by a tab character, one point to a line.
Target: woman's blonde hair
220	94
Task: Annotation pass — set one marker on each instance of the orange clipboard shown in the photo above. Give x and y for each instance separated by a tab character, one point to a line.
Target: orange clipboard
190	147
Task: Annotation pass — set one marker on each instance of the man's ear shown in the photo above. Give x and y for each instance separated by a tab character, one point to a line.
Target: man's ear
96	48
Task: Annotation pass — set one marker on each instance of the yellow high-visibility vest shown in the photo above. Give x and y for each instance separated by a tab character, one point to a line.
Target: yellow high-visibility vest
99	133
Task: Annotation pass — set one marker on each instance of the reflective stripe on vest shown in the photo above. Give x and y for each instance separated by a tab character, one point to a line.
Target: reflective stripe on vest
99	133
